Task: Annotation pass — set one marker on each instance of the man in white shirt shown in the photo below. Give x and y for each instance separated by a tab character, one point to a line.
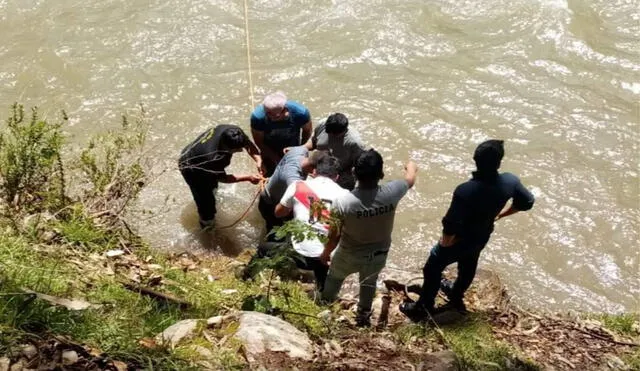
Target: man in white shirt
364	239
301	197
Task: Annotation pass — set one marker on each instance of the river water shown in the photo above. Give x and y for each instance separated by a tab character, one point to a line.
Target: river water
427	80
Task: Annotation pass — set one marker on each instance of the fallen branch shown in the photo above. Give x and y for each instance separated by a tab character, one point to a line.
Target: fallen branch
155	294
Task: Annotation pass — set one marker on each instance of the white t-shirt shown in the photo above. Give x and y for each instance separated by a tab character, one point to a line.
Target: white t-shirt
295	197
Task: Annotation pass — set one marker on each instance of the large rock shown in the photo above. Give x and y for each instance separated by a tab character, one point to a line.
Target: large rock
260	332
173	334
4	364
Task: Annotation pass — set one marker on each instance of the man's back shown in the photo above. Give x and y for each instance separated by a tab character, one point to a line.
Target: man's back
300	196
289	170
368	214
346	148
477	202
204	154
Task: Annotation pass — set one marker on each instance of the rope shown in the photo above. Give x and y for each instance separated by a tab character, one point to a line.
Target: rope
246	212
248	42
251	97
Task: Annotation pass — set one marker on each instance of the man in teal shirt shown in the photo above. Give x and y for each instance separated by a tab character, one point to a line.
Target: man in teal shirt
276	124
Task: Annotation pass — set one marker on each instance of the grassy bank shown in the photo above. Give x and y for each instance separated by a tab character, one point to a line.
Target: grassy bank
63	233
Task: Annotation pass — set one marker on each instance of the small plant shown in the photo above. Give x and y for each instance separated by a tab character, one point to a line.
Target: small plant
115	168
31	170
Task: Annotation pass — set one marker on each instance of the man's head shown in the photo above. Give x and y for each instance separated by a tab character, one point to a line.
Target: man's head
275	106
368	168
234	139
336	124
312	159
327	166
488	155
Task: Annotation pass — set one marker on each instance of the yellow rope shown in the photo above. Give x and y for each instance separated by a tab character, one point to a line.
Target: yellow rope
248	42
250	73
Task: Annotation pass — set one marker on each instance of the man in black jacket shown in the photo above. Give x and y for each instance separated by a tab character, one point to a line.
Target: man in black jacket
467	226
203	162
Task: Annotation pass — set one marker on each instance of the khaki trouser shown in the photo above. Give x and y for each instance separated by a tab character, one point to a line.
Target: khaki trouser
367	264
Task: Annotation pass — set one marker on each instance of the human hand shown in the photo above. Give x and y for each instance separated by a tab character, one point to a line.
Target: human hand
411	167
287	149
447	240
255	179
325	257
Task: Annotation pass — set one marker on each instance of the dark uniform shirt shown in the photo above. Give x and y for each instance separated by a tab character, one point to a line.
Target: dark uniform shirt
477	202
203	157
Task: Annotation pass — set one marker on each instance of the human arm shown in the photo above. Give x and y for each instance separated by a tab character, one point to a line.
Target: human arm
307	130
410	173
254	152
332	243
230	178
523	200
453	221
266	152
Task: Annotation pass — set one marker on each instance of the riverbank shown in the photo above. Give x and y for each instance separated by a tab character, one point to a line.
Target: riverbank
79	289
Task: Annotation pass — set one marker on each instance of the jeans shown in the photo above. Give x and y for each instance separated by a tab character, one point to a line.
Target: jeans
465	254
202	185
368	266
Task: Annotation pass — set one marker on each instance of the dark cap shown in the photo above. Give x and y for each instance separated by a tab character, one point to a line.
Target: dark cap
488	155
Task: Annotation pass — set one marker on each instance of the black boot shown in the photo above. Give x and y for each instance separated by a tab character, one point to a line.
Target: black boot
415	311
454	302
363	319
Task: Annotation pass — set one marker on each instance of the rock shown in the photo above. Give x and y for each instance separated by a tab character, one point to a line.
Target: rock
215	321
444	360
173	334
29	351
70	304
4	364
114	253
69	357
387	344
120	366
260	332
18	366
325	315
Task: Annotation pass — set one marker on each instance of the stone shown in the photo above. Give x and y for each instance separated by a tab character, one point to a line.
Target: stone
18	366
260	332
215	321
29	351
444	360
69	357
173	334
4	364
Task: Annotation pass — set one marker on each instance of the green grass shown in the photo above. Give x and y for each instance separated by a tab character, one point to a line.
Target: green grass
473	343
620	323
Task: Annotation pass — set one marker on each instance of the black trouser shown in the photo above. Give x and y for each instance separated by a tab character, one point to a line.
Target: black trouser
270	249
465	254
267	210
202	185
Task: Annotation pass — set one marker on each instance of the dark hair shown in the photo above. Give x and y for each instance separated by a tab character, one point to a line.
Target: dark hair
234	138
336	123
488	155
368	167
328	166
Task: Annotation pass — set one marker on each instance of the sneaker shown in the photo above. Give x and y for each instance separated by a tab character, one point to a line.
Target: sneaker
416	312
363	319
